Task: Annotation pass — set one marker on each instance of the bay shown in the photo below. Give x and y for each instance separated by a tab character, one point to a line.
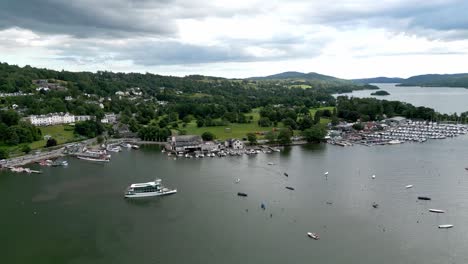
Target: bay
443	99
78	214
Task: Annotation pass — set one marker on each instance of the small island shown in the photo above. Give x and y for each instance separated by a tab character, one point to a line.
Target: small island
380	93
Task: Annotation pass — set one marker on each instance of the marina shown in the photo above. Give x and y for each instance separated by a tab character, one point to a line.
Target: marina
207	201
407	131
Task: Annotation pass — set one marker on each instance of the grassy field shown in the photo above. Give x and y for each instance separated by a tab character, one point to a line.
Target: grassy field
61	133
232	130
313	110
240	131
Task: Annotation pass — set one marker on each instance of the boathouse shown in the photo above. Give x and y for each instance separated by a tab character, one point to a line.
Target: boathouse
186	143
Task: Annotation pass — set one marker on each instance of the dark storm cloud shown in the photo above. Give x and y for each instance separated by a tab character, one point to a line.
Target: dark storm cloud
87	17
433	19
170	52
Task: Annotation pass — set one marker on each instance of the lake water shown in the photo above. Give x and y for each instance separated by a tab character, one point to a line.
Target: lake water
442	99
78	214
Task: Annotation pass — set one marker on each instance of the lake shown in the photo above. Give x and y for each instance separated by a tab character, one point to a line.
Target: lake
442	99
78	214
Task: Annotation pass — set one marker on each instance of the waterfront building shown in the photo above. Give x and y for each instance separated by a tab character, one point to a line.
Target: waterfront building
234	144
186	143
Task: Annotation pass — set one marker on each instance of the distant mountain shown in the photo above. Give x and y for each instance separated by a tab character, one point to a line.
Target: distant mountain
379	80
299	76
438	80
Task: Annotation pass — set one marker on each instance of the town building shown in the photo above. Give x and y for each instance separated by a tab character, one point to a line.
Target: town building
234	144
186	143
51	119
210	146
395	121
109	118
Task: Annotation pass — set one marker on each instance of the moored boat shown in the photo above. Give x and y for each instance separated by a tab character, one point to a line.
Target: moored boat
95	159
409	186
290	188
313	235
148	189
445	226
242	194
424	198
436	211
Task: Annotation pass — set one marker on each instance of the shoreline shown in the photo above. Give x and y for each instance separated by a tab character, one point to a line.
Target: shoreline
57	153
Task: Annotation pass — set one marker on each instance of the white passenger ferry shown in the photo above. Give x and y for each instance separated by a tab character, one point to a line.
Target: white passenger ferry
148	189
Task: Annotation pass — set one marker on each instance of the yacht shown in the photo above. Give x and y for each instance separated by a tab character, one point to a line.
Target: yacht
95	159
148	189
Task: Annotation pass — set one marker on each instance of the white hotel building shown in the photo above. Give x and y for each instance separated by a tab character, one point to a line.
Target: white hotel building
56	119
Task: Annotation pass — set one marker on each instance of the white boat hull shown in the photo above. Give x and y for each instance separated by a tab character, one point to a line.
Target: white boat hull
93	159
149	194
445	226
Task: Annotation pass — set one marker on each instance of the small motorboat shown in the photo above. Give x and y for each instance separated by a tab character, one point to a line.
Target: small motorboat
271	163
466	168
313	235
285	174
445	226
326	173
436	211
409	186
375	205
424	198
238	180
242	194
290	188
373	176
135	147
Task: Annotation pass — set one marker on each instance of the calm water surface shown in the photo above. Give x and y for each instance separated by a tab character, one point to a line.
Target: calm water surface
78	214
442	99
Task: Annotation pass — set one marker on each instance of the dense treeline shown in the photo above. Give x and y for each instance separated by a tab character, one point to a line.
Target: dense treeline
14	132
369	109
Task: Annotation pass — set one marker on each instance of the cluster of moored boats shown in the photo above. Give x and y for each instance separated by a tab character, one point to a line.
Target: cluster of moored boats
225	153
102	155
417	132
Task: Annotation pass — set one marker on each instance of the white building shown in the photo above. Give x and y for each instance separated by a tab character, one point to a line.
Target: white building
83	118
234	144
109	118
51	119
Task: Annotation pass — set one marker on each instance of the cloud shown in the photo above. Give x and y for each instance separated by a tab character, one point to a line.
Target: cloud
174	34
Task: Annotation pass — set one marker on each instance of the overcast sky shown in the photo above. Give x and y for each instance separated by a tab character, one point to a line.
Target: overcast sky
241	38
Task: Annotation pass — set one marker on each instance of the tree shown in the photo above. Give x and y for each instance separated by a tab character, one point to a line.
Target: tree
358	126
252	138
317	116
10	117
100	139
290	123
284	136
26	148
270	136
163	122
335	121
264	122
51	142
306	122
3	153
208	136
316	133
200	122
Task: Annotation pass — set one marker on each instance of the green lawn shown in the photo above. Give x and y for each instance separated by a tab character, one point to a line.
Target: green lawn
61	133
233	130
313	110
240	131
